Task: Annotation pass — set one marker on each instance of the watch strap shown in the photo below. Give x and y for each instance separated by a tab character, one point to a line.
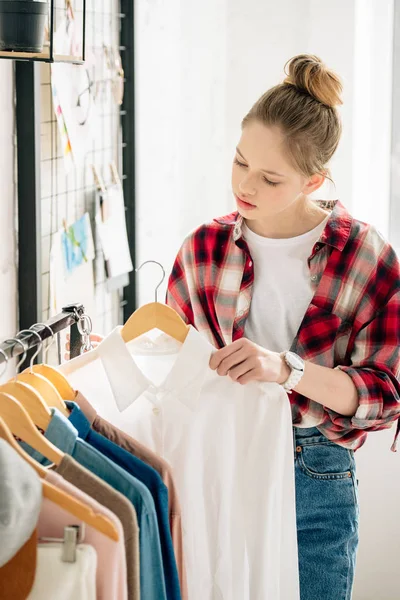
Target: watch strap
294	377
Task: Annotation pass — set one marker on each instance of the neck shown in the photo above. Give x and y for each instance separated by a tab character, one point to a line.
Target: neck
300	217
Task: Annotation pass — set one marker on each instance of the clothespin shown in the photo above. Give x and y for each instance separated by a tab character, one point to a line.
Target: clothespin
103	191
115	175
98	180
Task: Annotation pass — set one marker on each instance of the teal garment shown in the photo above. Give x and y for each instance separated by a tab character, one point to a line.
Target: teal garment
64	435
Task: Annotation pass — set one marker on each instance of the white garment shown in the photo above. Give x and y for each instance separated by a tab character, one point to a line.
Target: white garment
282	288
231	449
58	580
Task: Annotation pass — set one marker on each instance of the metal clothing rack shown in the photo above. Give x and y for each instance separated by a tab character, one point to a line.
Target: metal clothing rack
71	316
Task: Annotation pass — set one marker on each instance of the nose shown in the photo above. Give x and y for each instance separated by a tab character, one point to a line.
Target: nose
246	187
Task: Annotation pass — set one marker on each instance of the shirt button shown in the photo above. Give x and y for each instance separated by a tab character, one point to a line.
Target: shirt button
156	410
314	278
250	263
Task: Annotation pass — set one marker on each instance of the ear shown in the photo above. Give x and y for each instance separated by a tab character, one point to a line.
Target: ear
314	183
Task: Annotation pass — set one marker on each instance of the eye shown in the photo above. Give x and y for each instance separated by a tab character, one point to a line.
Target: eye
273	183
239	163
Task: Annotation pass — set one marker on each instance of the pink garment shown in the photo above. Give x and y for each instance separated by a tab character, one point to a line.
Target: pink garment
111	561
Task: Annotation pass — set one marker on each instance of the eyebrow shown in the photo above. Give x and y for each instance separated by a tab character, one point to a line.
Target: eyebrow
263	170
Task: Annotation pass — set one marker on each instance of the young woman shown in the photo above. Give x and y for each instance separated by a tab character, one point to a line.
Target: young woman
298	292
295	291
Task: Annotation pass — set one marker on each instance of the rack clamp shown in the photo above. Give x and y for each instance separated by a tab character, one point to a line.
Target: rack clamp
74	309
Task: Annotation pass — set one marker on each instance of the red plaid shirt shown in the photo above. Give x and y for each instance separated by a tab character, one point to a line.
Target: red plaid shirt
352	323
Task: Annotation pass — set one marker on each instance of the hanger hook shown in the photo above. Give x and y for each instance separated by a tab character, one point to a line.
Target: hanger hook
24	347
52	336
40	344
5	364
163	270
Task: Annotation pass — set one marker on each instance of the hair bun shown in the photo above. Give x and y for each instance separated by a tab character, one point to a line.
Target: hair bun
309	74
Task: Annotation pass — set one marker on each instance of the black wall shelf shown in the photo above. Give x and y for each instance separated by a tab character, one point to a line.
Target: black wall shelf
48	55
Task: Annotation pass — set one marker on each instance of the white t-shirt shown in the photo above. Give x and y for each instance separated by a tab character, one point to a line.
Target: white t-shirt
282	288
231	451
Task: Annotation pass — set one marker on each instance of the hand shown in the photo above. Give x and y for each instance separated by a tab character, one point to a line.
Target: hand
95	339
244	361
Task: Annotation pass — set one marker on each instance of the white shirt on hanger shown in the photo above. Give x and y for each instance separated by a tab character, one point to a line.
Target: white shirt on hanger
231	450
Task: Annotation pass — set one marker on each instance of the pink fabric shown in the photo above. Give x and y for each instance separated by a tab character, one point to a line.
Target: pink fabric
111	562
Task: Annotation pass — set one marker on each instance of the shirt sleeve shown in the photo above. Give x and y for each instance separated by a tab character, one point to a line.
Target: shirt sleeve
374	369
178	294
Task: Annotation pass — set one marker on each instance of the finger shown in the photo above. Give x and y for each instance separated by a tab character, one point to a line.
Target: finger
232	361
95	337
68	336
248	377
220	355
66	356
242	369
68	346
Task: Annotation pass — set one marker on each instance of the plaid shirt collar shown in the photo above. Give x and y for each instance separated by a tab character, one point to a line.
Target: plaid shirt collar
335	234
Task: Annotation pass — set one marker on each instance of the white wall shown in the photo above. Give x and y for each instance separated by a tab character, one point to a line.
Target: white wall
199	69
372	121
8	285
378	469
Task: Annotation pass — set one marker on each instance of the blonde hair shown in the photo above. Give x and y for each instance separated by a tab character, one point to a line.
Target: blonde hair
303	107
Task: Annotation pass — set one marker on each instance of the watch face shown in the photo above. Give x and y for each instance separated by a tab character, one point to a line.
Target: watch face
294	361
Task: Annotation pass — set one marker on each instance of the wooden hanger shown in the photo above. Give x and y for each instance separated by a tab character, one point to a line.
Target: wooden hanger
46	389
22	426
155	316
29	398
80	510
60	382
43	386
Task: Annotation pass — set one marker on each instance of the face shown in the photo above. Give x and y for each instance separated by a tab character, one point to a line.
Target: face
263	180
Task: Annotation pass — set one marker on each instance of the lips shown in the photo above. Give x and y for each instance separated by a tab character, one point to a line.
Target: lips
245	203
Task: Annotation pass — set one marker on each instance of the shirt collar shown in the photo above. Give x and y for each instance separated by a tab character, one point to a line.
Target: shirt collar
128	382
78	419
336	232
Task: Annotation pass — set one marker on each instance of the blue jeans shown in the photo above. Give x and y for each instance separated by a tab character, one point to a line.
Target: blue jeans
327	516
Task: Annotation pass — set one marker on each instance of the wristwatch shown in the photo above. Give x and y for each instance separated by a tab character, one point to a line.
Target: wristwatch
296	364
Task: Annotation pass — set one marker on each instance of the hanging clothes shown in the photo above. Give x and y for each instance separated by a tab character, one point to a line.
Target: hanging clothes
99	490
20	505
65	436
149	477
111	573
231	450
123	440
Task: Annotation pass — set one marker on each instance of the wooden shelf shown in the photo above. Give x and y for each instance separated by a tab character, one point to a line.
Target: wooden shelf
41	57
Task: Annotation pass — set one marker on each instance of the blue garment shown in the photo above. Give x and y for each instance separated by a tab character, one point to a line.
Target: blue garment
149	477
65	436
327	516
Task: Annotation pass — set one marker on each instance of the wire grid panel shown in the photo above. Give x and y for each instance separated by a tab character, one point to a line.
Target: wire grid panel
66	195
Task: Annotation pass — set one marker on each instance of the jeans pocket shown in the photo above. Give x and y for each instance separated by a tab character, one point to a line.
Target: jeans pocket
326	461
